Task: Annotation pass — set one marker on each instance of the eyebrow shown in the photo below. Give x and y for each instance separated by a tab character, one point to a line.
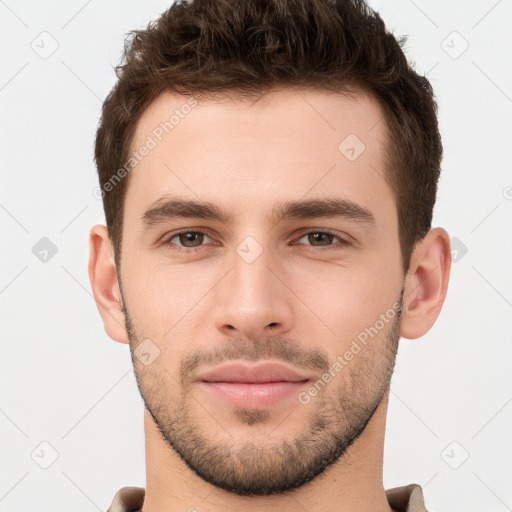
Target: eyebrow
168	208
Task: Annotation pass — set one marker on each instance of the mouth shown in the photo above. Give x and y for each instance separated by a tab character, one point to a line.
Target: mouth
252	387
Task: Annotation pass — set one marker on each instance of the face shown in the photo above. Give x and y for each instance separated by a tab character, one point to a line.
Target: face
262	282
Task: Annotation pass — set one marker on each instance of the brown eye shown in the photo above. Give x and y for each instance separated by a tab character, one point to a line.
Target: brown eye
324	239
185	241
192	238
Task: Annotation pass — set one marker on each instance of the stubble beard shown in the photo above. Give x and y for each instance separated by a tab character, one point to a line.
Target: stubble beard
246	468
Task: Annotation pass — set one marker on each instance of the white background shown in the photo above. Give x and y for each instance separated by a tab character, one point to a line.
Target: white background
64	382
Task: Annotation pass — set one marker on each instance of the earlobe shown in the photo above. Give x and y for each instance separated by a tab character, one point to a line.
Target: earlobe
426	284
104	283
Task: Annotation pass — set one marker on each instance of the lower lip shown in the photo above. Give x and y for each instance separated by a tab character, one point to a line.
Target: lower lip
252	395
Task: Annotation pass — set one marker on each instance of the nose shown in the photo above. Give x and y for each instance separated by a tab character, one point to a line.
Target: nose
253	299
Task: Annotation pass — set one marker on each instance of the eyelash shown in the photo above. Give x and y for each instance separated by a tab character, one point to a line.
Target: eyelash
166	242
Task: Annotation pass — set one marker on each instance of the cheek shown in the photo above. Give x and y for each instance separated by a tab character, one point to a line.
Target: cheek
162	298
344	301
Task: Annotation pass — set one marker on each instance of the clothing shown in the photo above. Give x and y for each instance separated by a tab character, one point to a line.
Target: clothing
408	498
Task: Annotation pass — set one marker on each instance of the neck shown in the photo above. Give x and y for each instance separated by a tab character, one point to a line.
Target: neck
353	483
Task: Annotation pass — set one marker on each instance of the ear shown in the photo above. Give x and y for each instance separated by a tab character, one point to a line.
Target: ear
104	283
426	283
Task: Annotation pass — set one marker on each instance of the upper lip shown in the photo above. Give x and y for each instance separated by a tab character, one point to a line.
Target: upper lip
257	373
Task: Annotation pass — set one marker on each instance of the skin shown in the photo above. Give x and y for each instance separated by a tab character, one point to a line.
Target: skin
296	300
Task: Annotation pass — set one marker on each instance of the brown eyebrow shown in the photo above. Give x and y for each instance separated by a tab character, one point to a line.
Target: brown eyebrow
167	208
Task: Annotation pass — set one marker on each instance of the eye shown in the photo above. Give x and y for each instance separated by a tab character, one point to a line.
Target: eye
189	240
323	238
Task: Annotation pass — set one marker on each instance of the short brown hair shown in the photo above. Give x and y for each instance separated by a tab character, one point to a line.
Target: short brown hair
246	47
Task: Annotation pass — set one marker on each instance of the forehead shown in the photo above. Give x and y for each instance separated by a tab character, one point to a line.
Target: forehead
249	153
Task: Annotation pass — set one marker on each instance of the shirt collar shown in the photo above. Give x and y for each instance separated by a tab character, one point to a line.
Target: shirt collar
407	498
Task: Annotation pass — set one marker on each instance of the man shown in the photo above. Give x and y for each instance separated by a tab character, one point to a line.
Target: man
268	172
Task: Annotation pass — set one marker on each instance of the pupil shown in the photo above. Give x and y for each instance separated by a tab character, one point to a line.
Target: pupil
317	235
189	237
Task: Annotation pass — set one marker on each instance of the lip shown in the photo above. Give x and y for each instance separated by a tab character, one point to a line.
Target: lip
253	374
252	387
